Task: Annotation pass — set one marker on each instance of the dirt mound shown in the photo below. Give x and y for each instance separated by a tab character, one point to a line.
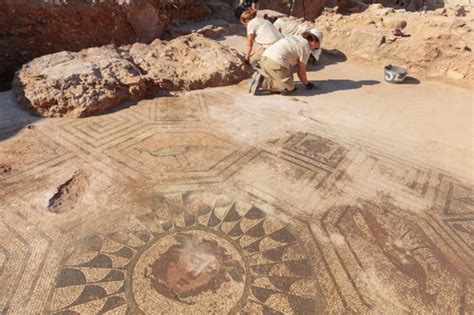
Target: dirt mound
439	42
77	84
189	62
92	80
32	28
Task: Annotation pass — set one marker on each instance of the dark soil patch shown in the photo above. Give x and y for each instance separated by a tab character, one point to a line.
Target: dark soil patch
69	194
5	168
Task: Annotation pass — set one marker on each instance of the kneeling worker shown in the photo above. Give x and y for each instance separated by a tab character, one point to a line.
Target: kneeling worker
260	31
289	26
278	60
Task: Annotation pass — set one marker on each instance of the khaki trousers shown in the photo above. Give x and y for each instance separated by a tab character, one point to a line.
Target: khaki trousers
256	53
277	77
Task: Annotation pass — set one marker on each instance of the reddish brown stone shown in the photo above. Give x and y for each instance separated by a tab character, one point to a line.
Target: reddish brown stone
32	28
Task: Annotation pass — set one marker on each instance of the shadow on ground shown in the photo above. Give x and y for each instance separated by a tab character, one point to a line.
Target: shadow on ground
13	118
329	86
328	57
411	80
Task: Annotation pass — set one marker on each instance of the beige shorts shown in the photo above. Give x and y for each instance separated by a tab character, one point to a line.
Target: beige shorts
256	53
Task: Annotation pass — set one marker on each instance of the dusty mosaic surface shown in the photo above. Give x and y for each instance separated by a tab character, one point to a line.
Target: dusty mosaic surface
173	213
196	252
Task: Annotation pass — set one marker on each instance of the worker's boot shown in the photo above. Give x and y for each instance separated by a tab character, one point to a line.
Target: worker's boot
256	82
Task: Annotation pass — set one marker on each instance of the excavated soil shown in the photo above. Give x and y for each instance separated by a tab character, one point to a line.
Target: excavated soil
436	43
68	84
32	28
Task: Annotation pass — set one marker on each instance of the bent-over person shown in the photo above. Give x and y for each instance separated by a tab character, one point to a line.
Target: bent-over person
261	34
278	61
289	26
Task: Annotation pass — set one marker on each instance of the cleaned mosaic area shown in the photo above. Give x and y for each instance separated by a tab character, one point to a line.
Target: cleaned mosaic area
196	252
160	207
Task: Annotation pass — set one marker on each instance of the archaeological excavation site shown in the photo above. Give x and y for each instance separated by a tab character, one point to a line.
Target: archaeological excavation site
236	157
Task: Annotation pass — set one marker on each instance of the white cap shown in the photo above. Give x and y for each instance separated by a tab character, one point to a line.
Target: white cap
318	34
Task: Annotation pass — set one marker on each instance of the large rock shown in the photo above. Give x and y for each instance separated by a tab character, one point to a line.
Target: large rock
212	28
77	84
69	84
32	28
189	62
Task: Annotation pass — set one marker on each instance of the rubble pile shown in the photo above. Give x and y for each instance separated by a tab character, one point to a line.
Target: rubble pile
436	43
79	84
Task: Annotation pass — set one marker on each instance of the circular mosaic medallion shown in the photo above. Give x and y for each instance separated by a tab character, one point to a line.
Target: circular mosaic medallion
189	271
200	252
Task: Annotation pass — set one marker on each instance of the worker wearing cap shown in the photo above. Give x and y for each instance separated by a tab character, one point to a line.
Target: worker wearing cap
288	26
259	31
278	60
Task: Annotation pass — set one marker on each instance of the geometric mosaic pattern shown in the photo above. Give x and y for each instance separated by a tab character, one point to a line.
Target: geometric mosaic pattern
307	223
404	265
38	151
173	111
454	203
247	259
315	148
308	165
195	154
397	174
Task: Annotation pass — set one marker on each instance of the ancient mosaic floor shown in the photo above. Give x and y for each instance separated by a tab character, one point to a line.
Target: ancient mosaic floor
196	204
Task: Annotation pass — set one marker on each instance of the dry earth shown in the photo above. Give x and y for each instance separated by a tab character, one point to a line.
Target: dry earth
440	42
356	197
353	198
90	81
32	28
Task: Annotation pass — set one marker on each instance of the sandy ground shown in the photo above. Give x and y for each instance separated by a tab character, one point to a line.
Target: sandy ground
354	197
433	117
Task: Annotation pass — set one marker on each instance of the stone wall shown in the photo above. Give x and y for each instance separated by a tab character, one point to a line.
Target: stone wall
32	28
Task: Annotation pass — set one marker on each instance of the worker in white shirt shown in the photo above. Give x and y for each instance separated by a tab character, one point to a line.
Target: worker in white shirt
278	60
289	25
260	35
